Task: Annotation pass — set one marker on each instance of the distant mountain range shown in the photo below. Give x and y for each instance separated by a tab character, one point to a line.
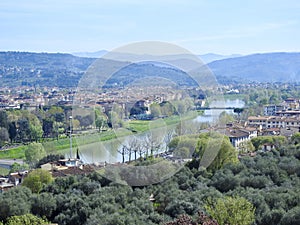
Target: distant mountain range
65	70
210	57
97	54
206	58
267	67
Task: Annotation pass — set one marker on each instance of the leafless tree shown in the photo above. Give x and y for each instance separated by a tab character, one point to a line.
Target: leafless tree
133	146
152	143
168	137
122	151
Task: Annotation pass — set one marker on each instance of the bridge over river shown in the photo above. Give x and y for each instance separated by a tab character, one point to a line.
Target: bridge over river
220	108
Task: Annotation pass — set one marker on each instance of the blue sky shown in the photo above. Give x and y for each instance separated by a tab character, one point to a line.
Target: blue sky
203	26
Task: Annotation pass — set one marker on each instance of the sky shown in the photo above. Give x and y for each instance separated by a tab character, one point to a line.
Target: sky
200	26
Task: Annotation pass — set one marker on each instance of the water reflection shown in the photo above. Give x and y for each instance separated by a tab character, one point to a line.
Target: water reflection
211	115
109	151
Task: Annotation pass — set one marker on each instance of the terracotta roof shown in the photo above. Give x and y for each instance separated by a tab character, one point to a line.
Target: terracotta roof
86	169
236	133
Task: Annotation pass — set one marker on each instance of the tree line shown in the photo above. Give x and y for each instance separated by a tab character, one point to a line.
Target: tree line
23	126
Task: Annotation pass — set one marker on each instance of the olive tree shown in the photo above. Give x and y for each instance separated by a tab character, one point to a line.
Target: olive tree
231	210
34	152
36	179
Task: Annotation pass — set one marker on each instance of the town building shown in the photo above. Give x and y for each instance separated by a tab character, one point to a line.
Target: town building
271	110
265	122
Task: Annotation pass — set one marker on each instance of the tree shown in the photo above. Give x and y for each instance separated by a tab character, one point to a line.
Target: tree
56	113
58	129
27	219
131	147
181	107
15	167
231	210
3	119
114	121
23	129
275	140
34	152
99	123
75	124
183	152
184	146
15	202
155	110
36	179
246	147
168	138
291	217
86	121
12	130
153	143
47	127
43	205
36	132
186	220
122	151
224	118
167	109
4	136
295	138
238	111
211	149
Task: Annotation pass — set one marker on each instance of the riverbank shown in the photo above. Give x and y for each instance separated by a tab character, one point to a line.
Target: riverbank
62	146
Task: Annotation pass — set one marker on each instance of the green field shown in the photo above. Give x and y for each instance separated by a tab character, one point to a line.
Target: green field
234	96
14	153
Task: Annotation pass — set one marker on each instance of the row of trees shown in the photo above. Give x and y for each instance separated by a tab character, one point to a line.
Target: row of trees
23	126
146	145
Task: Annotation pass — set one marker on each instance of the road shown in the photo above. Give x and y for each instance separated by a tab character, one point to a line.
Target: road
6	163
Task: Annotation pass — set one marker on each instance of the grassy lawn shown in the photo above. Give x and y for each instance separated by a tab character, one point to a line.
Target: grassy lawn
14	153
226	97
234	96
140	126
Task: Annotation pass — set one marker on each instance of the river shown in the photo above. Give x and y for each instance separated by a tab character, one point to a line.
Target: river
211	115
107	151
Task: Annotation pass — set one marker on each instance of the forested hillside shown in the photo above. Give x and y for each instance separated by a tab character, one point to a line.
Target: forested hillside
267	67
44	69
269	183
65	70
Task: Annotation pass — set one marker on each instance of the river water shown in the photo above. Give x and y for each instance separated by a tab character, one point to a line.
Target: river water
211	115
107	151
